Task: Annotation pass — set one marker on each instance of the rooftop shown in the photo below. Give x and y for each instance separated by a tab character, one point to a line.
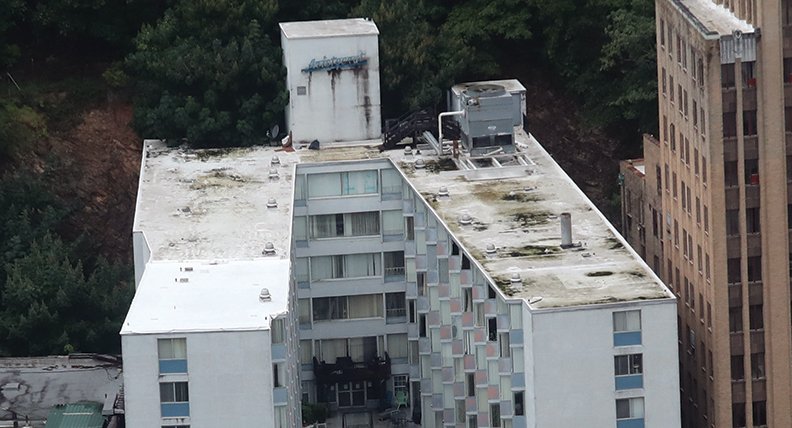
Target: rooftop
328	28
208	296
212	204
636	166
712	18
78	415
32	386
206	205
516	208
510	85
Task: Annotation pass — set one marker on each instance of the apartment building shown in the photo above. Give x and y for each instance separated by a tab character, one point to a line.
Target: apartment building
210	338
388	274
716	212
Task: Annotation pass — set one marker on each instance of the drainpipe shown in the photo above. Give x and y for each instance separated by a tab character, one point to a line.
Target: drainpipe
440	123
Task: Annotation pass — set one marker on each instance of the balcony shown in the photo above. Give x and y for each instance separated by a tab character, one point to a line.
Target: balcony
347	370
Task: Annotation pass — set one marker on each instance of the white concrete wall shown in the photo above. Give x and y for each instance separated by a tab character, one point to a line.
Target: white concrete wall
141	254
229	375
334	107
573	366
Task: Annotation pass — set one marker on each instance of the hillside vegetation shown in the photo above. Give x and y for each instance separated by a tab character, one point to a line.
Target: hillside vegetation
83	79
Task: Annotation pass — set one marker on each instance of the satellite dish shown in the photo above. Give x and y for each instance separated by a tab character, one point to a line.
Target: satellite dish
274	131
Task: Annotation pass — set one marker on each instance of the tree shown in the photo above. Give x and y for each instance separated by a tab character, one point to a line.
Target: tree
49	307
207	71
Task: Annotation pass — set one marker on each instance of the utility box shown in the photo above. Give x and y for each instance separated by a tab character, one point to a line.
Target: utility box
492	110
332	75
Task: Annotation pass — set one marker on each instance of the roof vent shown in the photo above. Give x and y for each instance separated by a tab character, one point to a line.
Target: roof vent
420	164
275	160
269	249
491	250
443	192
272	203
273	174
465	219
515	279
408	151
265	295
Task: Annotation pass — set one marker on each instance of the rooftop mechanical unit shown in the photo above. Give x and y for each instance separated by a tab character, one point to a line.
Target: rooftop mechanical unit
488	123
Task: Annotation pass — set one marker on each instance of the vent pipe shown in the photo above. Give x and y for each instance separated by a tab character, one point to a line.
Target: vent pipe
566	230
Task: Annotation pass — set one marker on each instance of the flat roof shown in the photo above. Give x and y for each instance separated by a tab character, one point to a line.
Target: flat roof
516	207
711	17
32	386
200	296
77	415
328	28
510	85
212	204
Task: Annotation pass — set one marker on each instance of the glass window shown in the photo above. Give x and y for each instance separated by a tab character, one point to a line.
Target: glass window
627	321
174	392
630	408
324	185
391	181
397	345
359	182
392	222
172	349
628	364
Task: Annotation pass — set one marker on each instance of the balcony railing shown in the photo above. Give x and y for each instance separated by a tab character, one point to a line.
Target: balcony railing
347	370
394	273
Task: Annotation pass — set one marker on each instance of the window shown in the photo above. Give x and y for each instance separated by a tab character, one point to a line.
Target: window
738	415
749	122
278	375
752	220
757	365
395	307
727	75
340	225
732	222
730	173
174	399
343	184
495	415
519	404
302	90
627	328
630	408
172	355
330	308
628	370
391	182
733	270
664	81
394	266
729	124
737	368
754	268
392	223
345	266
470	383
671	88
662	33
759	413
748	75
278	329
755	317
397	347
306	352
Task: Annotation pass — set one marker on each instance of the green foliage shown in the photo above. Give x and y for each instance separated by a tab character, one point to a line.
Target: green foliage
20	125
208	72
115	77
313	412
52	300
